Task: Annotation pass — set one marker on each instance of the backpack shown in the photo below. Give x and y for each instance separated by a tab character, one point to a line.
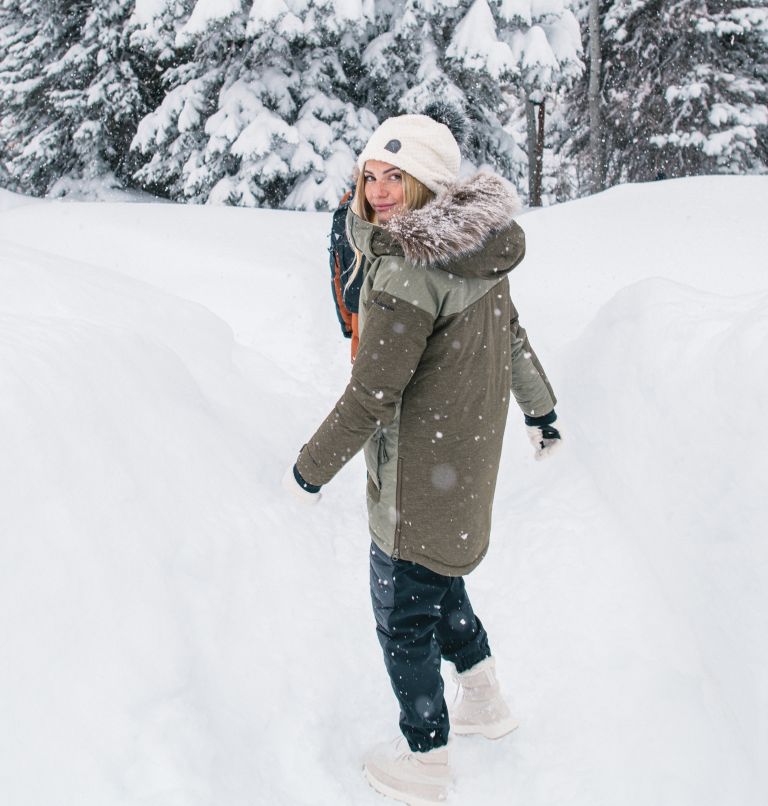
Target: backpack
342	263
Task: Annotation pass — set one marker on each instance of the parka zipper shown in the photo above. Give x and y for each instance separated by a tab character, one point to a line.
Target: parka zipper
398	516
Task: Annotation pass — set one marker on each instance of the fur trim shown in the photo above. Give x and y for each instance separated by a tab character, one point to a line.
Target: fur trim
458	222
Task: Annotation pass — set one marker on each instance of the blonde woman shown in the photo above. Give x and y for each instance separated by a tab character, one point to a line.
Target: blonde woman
441	352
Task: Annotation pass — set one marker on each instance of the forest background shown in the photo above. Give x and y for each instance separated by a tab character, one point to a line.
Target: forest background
267	103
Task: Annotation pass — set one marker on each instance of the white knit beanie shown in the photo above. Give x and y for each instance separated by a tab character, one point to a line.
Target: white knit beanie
418	145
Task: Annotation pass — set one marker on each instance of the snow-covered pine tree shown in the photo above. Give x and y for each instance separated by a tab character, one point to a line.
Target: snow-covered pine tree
262	112
406	65
485	68
154	25
333	122
72	94
196	41
514	54
103	88
429	51
33	138
685	87
445	51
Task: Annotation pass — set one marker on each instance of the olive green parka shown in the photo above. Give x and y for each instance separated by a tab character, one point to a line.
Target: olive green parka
440	350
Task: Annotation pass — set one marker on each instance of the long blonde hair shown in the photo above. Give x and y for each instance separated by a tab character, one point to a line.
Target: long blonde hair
415	195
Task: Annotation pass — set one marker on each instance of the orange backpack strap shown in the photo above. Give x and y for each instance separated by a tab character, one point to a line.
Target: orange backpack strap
338	290
355	336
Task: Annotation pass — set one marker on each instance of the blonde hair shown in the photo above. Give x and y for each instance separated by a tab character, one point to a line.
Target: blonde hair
415	195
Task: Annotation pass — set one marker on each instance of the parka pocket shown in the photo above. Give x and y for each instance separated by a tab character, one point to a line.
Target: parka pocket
376	456
371	453
372	491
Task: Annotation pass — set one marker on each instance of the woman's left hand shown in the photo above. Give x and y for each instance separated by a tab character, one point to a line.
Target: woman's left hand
546	439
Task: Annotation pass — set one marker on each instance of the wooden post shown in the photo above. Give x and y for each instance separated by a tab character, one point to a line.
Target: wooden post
530	119
538	167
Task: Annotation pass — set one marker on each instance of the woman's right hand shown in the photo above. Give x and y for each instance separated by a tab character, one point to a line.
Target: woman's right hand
301	491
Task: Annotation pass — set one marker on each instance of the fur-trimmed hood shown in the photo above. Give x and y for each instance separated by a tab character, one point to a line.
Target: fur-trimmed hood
467	230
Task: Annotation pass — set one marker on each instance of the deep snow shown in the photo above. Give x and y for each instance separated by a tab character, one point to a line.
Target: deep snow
175	633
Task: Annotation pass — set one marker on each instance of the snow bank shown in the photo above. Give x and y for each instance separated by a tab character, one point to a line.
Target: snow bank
174	632
9	200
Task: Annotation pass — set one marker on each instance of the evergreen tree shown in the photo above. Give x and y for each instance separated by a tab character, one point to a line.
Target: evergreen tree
685	87
36	34
719	104
71	93
196	50
100	91
512	55
257	102
262	112
154	26
485	67
475	55
332	119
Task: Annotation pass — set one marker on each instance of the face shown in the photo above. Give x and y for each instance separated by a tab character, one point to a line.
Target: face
383	189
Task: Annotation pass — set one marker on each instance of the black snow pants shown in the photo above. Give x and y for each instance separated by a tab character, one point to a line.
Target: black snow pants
422	616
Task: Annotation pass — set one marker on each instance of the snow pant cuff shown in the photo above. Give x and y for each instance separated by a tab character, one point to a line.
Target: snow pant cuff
464	663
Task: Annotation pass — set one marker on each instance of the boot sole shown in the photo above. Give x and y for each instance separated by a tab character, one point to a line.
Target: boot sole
489	731
396	794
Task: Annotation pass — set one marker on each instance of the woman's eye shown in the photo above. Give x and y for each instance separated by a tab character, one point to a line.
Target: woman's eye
396	177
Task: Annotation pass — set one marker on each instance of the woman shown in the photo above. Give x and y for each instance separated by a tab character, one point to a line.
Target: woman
440	348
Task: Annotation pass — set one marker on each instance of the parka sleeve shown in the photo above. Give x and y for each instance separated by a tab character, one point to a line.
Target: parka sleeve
530	385
393	341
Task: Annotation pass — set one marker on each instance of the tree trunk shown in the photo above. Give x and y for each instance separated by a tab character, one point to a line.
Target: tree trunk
530	117
596	145
538	159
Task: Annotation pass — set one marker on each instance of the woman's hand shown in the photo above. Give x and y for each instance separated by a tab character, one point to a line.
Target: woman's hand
302	491
544	437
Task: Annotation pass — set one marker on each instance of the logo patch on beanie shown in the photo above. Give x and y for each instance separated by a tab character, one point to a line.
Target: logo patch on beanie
394	146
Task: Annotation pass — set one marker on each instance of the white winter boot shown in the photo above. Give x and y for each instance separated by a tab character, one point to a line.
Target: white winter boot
418	779
482	709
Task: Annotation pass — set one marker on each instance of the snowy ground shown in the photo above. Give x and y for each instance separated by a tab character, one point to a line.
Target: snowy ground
173	632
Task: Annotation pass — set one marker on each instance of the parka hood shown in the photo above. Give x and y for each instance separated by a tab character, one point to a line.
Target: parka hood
468	230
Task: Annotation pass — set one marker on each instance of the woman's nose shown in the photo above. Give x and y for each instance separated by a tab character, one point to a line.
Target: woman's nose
380	190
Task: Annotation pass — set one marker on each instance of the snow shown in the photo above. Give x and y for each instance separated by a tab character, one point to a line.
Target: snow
10	200
475	44
205	14
515	10
542	9
238	104
267	14
182	104
353	10
177	632
146	11
537	53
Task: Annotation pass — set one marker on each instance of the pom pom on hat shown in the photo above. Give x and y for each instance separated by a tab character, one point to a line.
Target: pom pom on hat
451	116
420	145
